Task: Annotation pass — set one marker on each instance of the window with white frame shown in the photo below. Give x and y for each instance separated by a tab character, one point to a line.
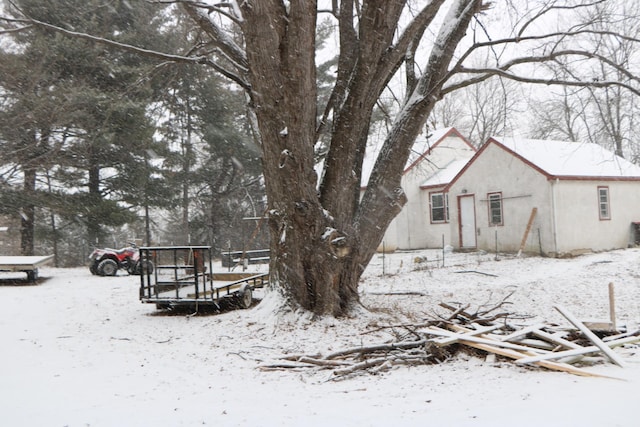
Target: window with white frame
439	207
603	202
495	209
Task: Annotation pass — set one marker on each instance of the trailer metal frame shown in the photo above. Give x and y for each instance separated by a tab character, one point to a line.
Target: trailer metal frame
183	276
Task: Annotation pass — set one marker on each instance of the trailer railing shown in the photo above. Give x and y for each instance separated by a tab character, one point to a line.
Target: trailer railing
183	275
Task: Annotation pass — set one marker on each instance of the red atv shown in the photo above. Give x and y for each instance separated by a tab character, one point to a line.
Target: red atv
107	262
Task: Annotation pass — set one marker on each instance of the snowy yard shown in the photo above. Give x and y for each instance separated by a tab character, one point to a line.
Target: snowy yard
80	350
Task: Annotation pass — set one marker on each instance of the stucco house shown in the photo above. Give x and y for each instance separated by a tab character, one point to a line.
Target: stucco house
433	162
553	198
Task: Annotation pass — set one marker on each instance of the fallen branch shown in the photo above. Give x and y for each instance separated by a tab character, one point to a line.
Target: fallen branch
322	362
359	366
416	293
477	272
381	347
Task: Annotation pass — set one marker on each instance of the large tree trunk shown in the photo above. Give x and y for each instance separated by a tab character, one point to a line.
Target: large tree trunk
316	254
322	237
302	263
93	224
27	225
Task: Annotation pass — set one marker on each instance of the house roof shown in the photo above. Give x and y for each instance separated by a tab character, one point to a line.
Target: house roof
444	176
563	160
420	149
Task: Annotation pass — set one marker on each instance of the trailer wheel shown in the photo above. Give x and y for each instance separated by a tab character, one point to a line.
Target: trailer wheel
246	297
145	267
108	267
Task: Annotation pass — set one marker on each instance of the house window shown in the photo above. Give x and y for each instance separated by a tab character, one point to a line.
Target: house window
495	208
439	207
603	202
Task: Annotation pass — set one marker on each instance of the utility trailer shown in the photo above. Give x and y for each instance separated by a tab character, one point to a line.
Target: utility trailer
183	276
25	264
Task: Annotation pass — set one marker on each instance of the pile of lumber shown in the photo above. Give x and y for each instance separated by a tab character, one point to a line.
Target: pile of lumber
484	332
540	345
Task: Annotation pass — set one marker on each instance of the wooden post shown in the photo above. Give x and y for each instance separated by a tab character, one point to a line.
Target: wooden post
612	307
527	230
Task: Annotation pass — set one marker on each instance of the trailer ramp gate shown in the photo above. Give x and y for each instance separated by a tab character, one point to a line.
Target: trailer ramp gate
183	276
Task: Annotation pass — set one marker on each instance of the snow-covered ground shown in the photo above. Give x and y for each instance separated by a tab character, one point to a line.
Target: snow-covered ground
79	350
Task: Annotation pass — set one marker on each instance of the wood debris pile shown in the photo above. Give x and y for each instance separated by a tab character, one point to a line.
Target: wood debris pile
483	332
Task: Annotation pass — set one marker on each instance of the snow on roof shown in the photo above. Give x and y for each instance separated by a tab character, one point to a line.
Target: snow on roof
419	148
570	159
446	174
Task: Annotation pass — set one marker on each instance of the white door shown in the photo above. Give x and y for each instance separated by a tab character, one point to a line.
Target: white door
466	207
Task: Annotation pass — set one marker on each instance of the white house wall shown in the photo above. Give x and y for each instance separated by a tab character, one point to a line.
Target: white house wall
579	226
567	220
412	227
522	189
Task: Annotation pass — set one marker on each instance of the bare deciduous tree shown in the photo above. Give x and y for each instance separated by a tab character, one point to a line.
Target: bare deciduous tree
323	231
603	116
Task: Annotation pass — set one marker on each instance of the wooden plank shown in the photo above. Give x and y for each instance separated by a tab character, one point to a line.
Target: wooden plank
535	343
591	336
514	354
23	263
555	339
602	325
556	366
606	325
577	351
522	332
464	338
622	335
479	330
527	230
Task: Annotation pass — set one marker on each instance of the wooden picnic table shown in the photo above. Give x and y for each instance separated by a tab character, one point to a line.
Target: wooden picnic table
26	264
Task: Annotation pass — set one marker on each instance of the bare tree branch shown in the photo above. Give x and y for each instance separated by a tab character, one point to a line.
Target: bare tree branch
544	11
520	40
16	30
232	51
486	73
220	7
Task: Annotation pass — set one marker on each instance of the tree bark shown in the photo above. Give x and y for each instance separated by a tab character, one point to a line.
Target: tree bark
93	225
323	236
27	222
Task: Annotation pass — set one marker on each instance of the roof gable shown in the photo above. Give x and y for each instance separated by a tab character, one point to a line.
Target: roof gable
419	151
